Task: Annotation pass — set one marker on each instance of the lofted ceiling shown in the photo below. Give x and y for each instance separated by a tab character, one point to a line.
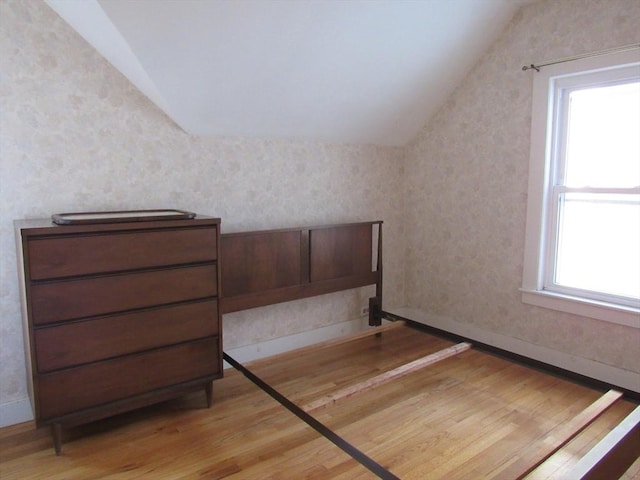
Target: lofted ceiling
339	71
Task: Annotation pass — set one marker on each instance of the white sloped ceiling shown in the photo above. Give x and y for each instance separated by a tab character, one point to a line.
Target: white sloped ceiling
344	71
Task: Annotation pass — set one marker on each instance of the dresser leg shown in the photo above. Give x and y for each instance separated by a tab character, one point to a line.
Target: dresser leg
56	433
208	388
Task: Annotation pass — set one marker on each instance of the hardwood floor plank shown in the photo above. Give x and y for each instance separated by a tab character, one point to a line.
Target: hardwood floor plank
466	417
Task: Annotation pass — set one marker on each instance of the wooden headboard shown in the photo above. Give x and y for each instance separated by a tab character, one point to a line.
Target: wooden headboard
272	266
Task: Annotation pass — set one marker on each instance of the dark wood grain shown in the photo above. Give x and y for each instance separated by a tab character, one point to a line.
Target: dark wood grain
254	263
340	252
76	343
85	297
296	292
69	255
265	267
81	387
118	315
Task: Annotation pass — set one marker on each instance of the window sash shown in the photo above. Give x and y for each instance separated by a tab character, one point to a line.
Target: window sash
545	190
607	196
560	95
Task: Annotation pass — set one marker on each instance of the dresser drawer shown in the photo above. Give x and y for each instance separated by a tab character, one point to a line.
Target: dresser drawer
77	388
71	299
69	344
64	256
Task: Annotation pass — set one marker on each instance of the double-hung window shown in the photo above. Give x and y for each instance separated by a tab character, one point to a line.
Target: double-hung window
582	253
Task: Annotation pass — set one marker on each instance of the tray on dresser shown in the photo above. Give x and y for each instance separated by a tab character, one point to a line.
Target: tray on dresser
79	218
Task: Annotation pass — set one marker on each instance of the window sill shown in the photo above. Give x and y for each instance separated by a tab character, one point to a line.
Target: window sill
608	312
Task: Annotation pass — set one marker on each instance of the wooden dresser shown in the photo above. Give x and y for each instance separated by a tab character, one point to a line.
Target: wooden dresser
118	315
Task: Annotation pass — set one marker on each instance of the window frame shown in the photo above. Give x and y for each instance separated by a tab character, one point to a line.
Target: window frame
541	227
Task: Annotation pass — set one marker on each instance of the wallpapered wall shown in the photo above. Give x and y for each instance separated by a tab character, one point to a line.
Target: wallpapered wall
76	135
466	179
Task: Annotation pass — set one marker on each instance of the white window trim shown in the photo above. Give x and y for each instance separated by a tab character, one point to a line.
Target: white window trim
534	252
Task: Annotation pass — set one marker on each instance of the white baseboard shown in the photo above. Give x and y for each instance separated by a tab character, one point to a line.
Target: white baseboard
283	344
15	412
583	366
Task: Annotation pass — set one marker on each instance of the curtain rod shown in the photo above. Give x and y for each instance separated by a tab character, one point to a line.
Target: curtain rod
578	57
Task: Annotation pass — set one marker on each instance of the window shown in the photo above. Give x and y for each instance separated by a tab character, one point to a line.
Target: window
582	253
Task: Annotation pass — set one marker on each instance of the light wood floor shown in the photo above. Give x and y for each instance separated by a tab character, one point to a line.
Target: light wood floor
465	417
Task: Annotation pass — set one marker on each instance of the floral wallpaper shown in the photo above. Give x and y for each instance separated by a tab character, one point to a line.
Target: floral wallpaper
466	183
75	135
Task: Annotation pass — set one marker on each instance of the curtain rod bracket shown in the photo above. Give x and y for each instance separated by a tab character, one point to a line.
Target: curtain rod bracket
530	67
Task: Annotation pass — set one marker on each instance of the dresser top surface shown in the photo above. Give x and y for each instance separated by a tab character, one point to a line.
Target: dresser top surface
45	226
